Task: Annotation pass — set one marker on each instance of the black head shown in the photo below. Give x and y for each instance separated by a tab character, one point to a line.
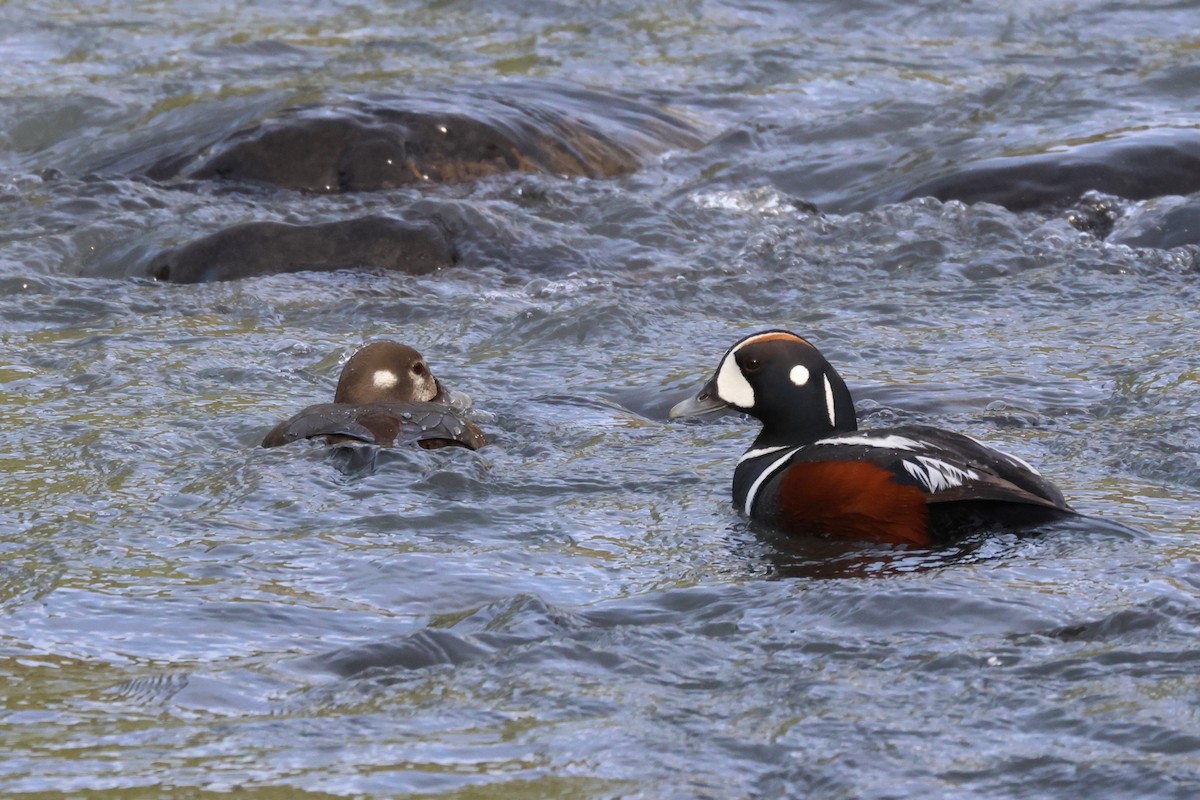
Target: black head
387	372
783	381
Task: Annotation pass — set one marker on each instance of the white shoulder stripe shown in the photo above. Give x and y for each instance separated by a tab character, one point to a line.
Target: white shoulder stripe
762	451
766	473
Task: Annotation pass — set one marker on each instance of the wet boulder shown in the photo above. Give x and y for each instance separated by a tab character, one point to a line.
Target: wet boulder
264	248
1163	223
1095	213
369	144
1134	167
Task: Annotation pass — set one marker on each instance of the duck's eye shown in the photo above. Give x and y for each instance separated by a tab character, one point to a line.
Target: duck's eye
419	368
751	365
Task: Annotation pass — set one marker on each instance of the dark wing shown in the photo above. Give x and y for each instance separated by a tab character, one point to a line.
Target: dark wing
429	425
325	419
948	467
1005	475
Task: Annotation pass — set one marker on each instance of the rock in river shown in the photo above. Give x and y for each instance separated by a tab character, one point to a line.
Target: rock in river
384	142
1135	166
264	248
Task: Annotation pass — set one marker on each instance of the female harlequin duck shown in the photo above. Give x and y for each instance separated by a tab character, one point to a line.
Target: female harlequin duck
811	471
386	395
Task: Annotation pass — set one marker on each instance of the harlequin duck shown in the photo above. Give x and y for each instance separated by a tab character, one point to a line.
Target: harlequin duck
386	395
811	471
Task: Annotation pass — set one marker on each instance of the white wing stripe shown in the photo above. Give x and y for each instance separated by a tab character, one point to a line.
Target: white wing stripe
938	475
1007	455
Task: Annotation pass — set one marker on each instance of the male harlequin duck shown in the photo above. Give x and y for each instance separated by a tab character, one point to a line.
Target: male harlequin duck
386	395
811	471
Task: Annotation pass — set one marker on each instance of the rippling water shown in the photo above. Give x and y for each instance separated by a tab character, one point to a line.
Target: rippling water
576	611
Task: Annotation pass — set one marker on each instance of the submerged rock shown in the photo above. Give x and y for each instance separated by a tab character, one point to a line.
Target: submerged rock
1095	213
367	144
1135	167
1164	224
265	248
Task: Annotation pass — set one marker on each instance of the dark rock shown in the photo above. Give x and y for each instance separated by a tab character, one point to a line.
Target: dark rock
384	143
1135	167
264	248
422	649
1095	214
1167	223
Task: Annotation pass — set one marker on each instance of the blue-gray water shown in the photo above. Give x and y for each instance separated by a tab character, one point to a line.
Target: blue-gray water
576	611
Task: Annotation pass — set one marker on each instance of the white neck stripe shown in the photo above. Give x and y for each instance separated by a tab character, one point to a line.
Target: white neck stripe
766	473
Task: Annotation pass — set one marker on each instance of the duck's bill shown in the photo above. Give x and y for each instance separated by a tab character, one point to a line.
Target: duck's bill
705	402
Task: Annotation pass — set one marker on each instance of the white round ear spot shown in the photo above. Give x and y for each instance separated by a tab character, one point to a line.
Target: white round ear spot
732	386
799	375
384	379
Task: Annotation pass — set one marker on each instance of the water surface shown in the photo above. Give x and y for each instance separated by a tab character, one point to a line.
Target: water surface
577	611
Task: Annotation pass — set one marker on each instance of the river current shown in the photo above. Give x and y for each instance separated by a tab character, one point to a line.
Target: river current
576	610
